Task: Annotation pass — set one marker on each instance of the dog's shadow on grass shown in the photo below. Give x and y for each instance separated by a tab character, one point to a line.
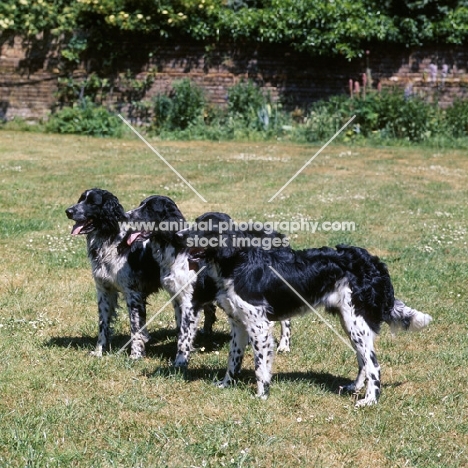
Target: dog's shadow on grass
325	380
83	342
329	382
162	344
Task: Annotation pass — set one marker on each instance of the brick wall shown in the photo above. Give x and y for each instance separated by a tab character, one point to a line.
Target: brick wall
29	72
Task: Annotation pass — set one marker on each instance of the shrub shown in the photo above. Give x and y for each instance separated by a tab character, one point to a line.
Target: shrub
247	102
250	114
321	124
162	107
456	117
182	108
187	104
389	114
410	118
85	118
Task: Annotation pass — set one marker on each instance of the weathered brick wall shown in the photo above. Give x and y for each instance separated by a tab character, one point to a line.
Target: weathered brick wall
27	83
28	74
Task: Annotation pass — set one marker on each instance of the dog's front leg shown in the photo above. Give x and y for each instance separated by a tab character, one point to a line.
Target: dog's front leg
371	368
362	339
136	304
261	339
107	303
209	311
239	340
177	314
285	340
188	329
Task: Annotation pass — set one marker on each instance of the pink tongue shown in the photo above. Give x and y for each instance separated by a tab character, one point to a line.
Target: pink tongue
76	229
132	237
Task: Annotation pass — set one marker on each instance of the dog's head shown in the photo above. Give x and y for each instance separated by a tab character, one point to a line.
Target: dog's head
204	234
156	217
208	225
96	209
216	234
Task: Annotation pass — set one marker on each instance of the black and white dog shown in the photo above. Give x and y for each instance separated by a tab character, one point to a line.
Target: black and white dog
252	290
116	267
159	220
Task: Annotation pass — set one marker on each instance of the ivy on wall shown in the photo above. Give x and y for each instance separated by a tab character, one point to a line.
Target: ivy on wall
318	27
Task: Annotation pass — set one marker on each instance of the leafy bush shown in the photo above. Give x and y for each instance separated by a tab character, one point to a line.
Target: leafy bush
182	108
71	90
412	118
188	103
247	102
128	89
250	115
321	124
456	117
184	114
389	114
162	108
85	119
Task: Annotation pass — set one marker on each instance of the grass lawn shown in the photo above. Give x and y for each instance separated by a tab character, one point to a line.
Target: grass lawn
61	407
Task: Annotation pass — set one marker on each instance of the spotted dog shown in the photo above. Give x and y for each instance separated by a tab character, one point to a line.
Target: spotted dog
347	281
160	214
116	266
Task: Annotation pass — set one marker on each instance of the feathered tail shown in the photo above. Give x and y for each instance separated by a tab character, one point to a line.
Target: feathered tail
406	318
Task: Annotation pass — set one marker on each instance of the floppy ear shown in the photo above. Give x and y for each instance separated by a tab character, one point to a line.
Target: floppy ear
93	196
114	208
114	212
171	214
227	244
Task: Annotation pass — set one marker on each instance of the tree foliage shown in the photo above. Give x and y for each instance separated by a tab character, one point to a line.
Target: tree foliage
319	27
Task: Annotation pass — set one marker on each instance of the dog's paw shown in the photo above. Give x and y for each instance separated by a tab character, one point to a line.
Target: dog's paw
136	356
180	361
138	349
283	348
367	401
225	383
96	353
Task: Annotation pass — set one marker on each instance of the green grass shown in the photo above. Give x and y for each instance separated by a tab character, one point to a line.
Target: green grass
61	407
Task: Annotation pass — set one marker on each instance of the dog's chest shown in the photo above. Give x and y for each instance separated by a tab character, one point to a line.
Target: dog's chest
174	269
109	267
